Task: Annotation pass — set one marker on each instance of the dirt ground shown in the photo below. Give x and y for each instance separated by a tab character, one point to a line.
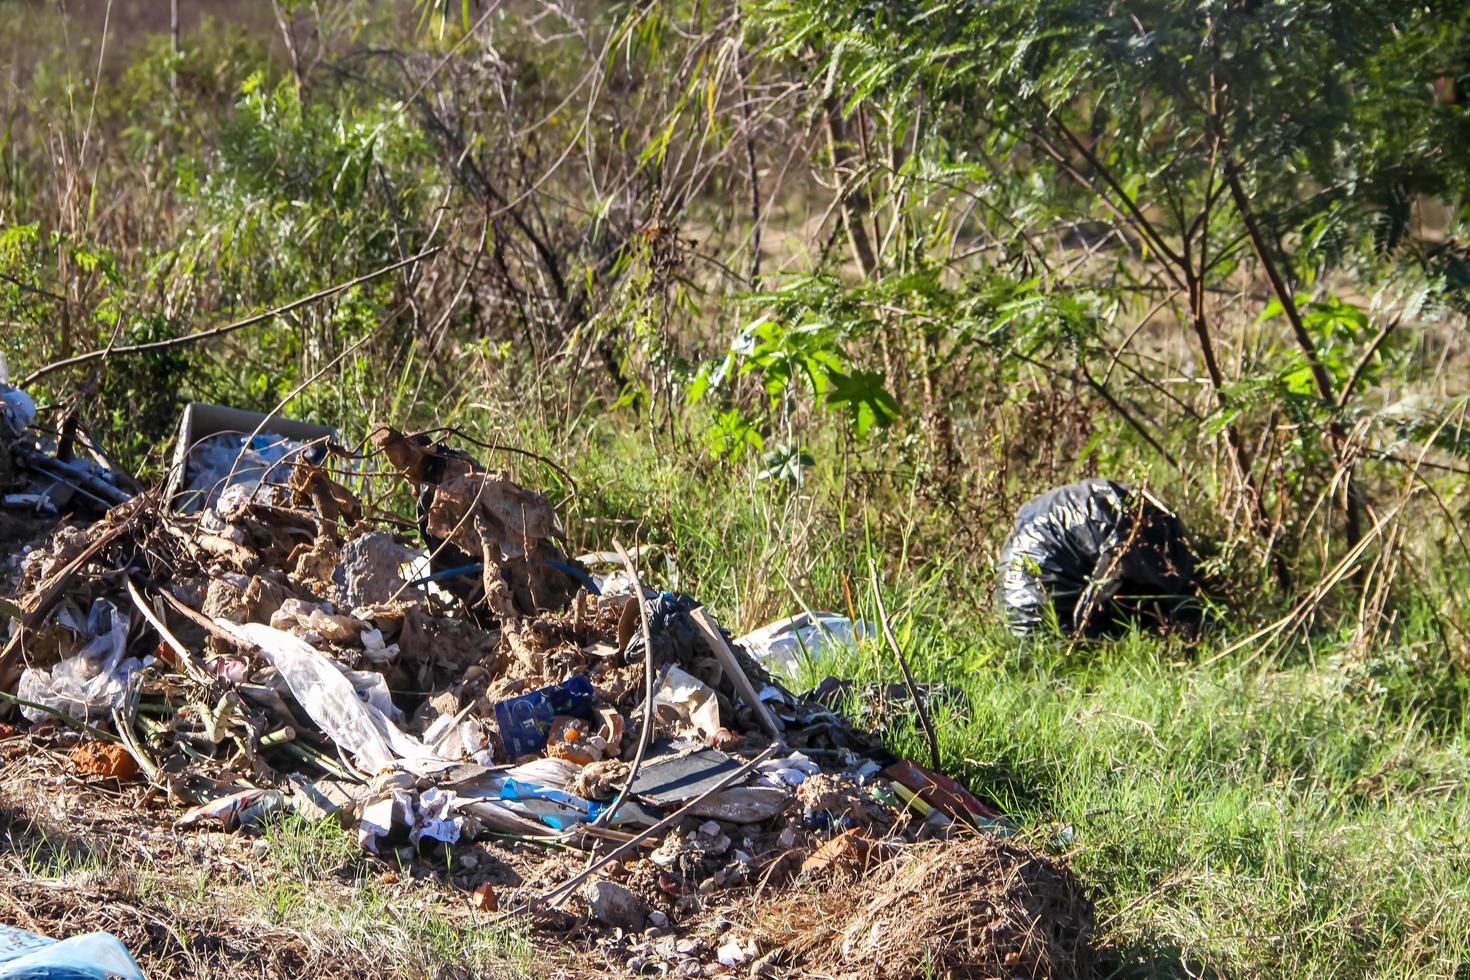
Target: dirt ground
79	854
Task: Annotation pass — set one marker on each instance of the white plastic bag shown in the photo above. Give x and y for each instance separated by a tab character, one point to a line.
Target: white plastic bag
781	645
17	411
353	721
89	684
221	463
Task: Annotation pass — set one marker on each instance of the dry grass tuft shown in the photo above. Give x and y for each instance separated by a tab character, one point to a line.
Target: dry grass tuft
972	907
166	944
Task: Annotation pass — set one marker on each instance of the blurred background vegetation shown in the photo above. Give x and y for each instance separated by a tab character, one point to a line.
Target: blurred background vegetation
787	284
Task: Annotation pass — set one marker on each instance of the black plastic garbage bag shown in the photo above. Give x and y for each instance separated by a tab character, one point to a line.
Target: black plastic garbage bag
675	637
1101	556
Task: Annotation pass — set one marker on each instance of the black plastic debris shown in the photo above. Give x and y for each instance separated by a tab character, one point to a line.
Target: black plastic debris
1100	556
46	475
675	774
675	637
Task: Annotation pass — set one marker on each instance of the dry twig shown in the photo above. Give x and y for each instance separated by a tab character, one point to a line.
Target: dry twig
903	664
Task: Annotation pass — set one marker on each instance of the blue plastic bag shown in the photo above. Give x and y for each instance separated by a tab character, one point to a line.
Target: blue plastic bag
94	956
566	809
525	720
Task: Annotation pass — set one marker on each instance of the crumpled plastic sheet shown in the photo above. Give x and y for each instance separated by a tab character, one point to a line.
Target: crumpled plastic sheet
790	771
378	818
535	790
91	956
1076	551
360	725
675	637
782	646
376	650
225	460
556	808
92	682
436	819
454	739
372	689
548	771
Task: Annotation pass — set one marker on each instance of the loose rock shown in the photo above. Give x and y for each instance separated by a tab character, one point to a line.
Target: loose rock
615	906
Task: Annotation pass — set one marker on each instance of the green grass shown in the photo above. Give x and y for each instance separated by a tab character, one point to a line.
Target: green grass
1258	822
55	857
1296	811
414	936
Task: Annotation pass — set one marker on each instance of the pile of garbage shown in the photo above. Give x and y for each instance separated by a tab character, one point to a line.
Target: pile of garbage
46	476
444	687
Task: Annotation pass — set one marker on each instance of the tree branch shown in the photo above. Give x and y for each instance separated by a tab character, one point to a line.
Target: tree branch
1363	360
1278	285
190	338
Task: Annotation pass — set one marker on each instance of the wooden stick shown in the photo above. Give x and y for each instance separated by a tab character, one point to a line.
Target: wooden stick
202	621
726	656
191	666
556	894
130	742
41	372
908	676
319	759
280	736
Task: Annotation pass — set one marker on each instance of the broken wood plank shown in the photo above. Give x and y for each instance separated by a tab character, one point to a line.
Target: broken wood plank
720	647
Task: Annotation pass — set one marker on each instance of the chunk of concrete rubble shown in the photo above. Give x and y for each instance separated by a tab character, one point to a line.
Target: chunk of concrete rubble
615	906
243	599
368	572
